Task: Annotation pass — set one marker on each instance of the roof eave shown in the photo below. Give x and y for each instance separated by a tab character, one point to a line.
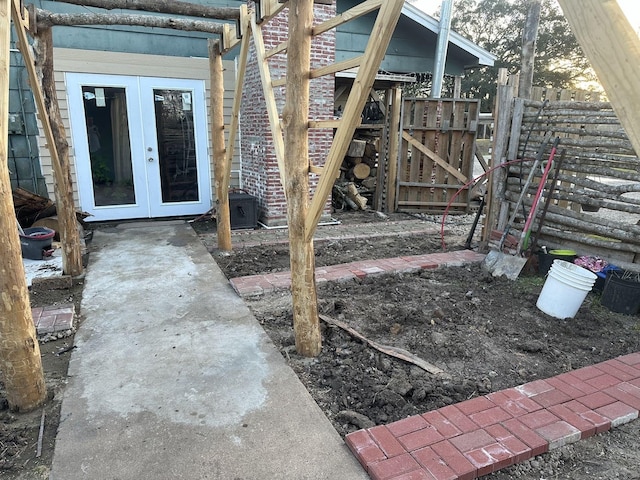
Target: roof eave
484	57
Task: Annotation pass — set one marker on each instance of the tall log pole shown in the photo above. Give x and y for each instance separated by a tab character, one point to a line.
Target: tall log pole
20	363
223	214
529	36
613	49
295	119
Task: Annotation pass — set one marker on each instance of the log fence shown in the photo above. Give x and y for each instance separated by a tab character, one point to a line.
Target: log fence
595	208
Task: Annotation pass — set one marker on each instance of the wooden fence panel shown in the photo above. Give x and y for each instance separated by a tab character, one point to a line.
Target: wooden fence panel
437	154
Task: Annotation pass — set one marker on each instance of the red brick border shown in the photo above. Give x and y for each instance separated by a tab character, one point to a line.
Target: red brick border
255	285
485	434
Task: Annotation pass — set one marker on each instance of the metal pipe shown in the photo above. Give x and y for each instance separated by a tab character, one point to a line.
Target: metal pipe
441	48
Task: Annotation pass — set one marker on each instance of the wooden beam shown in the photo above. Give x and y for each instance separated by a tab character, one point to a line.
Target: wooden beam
355	12
279	82
279	49
270	99
295	120
223	214
51	120
46	19
326	123
381	33
20	361
170	7
267	9
237	100
337	67
613	48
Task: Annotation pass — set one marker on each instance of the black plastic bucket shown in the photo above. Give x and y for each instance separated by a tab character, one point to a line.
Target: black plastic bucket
621	293
545	260
36	241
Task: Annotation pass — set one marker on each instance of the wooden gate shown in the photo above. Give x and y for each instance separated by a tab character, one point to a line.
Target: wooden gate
436	154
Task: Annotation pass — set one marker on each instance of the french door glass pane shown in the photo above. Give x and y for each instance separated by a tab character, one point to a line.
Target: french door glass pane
176	145
107	124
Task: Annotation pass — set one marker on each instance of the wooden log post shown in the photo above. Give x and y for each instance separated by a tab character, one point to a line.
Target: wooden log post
613	49
394	148
529	36
20	362
49	110
295	120
223	214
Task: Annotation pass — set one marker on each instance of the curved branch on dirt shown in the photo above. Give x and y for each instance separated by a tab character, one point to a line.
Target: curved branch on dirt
396	352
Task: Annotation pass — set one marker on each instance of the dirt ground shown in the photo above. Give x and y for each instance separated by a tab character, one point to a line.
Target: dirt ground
485	333
20	432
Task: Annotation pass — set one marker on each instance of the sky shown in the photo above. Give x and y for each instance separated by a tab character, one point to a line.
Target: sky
630	7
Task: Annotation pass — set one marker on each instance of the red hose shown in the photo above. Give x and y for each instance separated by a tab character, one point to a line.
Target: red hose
465	186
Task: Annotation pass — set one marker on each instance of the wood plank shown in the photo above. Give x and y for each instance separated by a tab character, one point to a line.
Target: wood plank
358	11
282	48
456	149
430	119
613	48
277	133
418	164
337	67
234	119
439	205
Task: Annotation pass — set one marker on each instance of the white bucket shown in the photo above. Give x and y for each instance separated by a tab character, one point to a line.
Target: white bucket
565	289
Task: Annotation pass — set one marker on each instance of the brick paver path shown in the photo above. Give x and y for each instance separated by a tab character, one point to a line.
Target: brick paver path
254	285
482	435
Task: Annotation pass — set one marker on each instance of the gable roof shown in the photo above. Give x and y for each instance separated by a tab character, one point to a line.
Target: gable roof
414	13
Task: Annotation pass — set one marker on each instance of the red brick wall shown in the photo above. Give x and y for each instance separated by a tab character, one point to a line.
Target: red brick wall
260	176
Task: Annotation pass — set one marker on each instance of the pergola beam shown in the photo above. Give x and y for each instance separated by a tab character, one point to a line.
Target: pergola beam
170	7
46	19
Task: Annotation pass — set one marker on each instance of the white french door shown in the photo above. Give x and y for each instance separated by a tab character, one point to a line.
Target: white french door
140	146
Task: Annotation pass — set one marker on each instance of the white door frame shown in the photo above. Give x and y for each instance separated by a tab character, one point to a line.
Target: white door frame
144	149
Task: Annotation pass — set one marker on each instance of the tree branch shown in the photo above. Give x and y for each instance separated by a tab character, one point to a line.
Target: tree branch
46	19
171	7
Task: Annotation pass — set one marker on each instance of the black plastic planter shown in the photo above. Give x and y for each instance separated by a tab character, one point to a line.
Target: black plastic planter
621	292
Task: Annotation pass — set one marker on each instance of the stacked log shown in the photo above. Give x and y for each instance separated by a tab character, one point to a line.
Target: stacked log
357	183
